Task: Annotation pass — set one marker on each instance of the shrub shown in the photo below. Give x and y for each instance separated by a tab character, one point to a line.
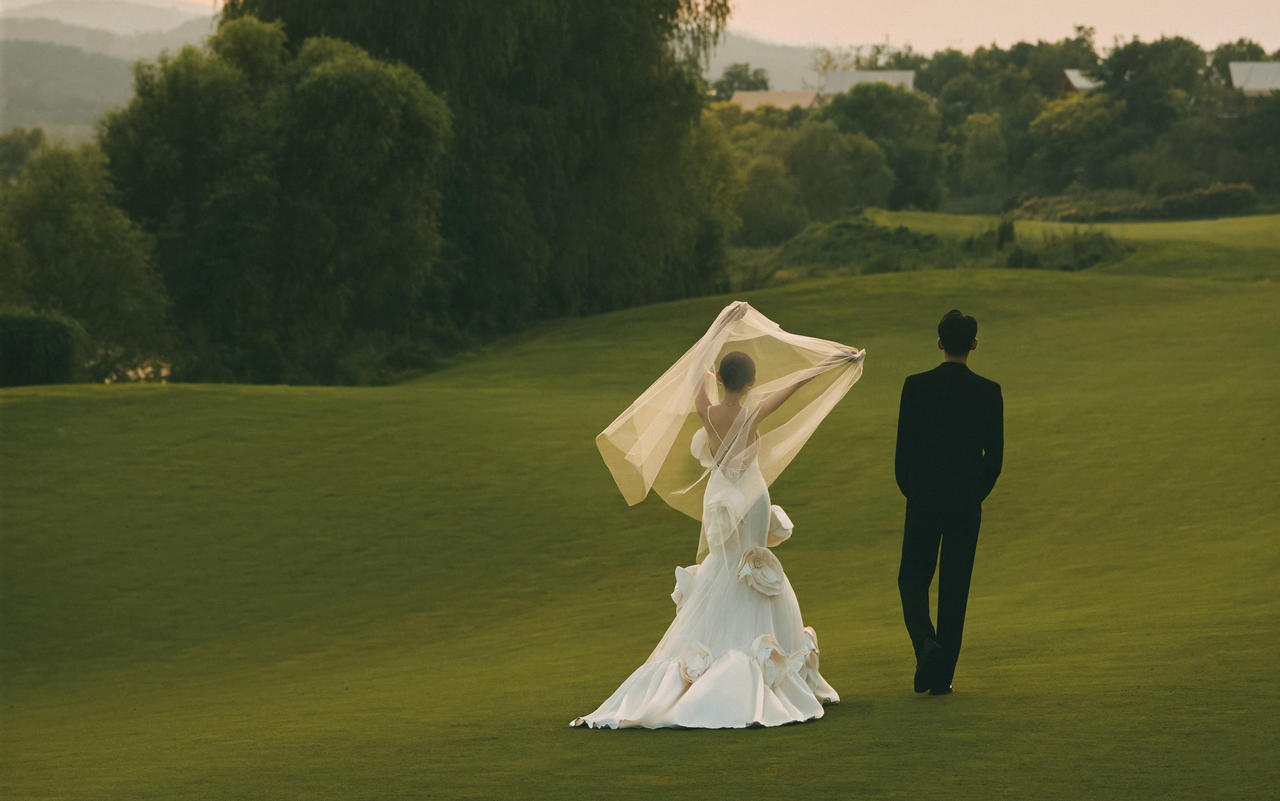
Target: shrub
1213	201
860	245
38	348
1075	251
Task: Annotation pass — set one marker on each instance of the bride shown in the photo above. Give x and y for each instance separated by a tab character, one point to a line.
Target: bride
738	653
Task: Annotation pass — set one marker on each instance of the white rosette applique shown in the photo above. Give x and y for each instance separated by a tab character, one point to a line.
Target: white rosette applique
694	662
761	571
780	526
809	670
774	663
685	581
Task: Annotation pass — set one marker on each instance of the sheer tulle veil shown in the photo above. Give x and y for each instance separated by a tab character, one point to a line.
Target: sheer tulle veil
659	442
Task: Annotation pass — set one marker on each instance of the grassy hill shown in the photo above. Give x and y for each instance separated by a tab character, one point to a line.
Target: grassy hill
216	592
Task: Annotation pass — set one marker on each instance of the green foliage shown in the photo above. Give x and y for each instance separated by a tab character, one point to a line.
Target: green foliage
295	203
739	78
1155	81
984	156
769	206
17	147
68	249
856	246
1078	250
837	173
565	188
1241	49
1211	201
1072	137
39	348
905	126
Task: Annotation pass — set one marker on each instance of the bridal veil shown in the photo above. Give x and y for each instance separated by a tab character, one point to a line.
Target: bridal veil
655	444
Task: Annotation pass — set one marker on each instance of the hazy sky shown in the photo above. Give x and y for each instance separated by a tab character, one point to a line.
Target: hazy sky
934	24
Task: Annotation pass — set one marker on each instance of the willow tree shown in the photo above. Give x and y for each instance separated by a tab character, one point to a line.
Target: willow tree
293	196
565	189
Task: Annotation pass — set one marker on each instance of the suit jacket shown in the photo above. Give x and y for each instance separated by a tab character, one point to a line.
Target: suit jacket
950	435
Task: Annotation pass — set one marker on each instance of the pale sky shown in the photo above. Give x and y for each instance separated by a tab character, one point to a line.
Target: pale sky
930	25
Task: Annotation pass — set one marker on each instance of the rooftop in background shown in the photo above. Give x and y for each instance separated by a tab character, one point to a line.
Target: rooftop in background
1255	77
783	100
843	81
1079	81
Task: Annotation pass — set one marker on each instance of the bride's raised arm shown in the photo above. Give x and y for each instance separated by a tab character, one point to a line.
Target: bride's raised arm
771	404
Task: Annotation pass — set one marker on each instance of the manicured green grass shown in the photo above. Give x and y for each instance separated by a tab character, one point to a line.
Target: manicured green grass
222	592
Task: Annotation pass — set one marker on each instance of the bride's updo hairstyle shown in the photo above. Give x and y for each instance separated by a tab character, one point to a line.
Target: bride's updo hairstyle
737	370
957	332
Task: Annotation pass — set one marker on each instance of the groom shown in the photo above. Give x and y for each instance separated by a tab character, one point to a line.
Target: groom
950	446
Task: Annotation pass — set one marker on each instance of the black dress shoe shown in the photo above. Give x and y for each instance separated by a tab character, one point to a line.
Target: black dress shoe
941	689
928	665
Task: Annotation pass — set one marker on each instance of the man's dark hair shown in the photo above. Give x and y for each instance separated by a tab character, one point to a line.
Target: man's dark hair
957	332
737	370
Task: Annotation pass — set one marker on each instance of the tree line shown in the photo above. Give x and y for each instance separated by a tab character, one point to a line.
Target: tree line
336	193
998	129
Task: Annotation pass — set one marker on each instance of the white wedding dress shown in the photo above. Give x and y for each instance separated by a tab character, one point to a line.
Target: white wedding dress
738	653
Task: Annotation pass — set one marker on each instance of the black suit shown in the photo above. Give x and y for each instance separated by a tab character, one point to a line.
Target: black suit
949	453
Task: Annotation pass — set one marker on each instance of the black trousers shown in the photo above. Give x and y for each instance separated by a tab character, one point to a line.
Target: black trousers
942	536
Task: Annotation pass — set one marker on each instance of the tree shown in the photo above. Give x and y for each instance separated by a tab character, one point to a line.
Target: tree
294	198
65	248
17	147
1156	81
984	157
740	78
562	192
1071	137
1227	52
769	205
905	126
838	173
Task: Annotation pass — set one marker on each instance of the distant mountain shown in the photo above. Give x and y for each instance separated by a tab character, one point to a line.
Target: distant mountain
94	40
787	65
47	83
116	16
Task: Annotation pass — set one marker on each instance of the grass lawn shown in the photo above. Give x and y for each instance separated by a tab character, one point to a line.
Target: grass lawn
226	592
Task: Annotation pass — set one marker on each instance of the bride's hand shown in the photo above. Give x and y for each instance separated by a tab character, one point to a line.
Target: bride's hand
737	310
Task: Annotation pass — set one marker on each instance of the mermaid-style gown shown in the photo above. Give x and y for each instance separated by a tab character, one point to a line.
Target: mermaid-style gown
737	653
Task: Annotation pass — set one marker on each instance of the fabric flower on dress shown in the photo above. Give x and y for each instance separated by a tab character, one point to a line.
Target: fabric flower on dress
774	663
761	571
694	662
810	652
700	448
685	582
780	526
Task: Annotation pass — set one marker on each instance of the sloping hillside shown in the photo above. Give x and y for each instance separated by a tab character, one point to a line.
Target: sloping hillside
129	47
407	592
110	15
45	83
787	65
